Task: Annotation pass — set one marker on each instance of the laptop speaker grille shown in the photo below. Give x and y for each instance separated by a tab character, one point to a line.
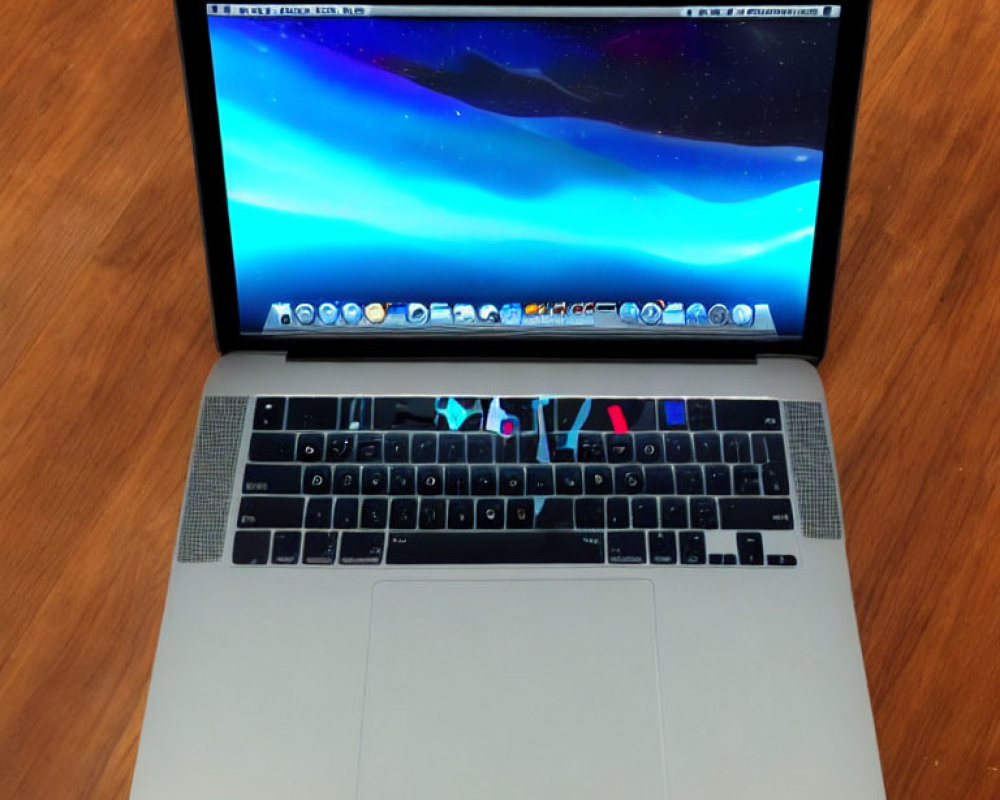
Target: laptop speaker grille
210	483
813	471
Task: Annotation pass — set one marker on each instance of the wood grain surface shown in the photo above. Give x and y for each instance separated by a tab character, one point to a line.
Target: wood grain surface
105	342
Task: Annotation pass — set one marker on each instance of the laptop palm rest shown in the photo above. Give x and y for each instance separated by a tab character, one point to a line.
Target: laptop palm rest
529	689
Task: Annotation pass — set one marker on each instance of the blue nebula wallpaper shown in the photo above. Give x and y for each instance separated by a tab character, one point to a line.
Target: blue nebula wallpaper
513	160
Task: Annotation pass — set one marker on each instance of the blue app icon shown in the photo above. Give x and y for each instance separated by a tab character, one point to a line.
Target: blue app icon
305	313
629	312
742	315
651	313
489	313
351	312
440	314
416	313
696	314
328	313
510	314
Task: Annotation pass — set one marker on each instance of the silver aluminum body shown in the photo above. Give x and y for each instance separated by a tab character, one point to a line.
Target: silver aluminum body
279	682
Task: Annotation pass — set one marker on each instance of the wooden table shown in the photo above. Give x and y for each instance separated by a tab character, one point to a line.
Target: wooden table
105	341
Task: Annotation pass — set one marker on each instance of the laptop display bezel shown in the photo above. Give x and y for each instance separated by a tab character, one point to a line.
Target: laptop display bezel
192	23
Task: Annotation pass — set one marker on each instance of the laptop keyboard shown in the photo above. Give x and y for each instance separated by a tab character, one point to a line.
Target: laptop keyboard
453	480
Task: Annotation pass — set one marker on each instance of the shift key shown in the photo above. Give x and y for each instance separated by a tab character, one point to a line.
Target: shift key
756	512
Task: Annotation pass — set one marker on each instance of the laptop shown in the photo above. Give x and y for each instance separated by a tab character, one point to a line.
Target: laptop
515	478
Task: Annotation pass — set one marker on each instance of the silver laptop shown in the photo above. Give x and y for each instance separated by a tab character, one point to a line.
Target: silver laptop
515	479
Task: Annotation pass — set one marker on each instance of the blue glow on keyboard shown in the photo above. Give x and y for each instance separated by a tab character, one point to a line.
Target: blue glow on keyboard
675	412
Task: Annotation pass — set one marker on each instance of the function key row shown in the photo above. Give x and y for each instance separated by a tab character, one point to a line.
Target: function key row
482	448
658	547
513	415
496	513
540	480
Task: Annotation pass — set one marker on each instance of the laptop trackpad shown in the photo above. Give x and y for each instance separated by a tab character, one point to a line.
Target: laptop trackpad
536	690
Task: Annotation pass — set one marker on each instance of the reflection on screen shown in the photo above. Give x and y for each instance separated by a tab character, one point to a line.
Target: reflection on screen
644	173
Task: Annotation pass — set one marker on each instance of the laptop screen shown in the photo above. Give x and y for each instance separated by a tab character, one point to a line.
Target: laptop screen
475	169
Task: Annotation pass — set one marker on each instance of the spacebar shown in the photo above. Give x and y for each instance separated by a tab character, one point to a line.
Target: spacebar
510	547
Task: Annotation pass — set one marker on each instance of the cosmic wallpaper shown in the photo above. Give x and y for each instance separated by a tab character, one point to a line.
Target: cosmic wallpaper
512	160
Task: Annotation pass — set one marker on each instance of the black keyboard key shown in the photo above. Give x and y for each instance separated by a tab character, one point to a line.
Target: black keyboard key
460	514
746	479
402	480
403	513
374	480
506	547
649	448
423	448
617	513
272	447
316	480
620	448
717	479
758	448
569	480
527	448
451	448
591	448
555	513
483	480
270	512
559	451
521	513
374	512
269	414
506	450
361	547
456	480
707	448
540	480
775	447
626	547
662	547
369	447
313	413
673	415
340	447
776	560
489	514
644	512
729	559
692	547
774	478
715	559
597	480
432	514
511	481
272	479
346	480
345	513
285	547
736	448
659	480
704	513
679	450
590	513
430	480
251	547
689	480
750	547
320	547
629	479
309	447
700	415
318	512
673	512
747	415
756	512
569	416
480	449
397	448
